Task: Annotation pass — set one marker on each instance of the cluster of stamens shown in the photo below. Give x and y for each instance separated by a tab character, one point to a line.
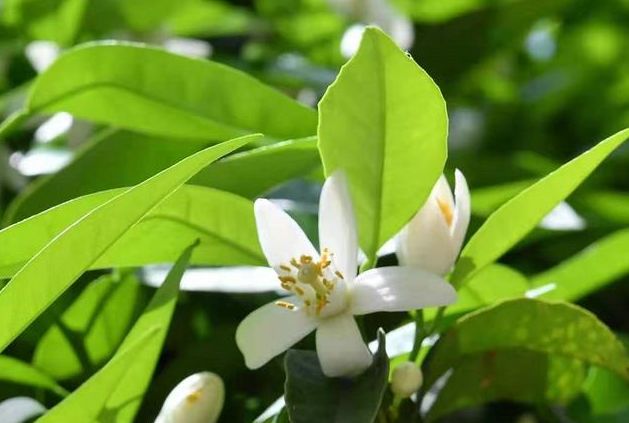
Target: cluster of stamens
306	279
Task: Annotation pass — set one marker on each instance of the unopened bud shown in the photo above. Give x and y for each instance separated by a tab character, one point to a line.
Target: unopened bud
197	399
407	379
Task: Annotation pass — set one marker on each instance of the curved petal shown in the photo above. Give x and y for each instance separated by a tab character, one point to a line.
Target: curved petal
337	225
271	330
280	236
340	347
426	242
442	191
462	210
399	289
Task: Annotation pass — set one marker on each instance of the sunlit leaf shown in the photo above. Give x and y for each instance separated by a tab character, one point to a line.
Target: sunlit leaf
150	90
511	222
15	371
383	122
82	244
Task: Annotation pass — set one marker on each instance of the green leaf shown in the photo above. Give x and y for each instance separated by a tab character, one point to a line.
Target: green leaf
612	206
57	266
141	88
593	268
556	329
384	123
493	283
486	200
124	401
247	173
514	375
224	223
605	399
313	397
16	371
511	222
88	401
111	159
55	20
91	329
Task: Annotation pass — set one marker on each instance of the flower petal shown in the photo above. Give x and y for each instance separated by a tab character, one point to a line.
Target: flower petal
426	242
340	347
461	210
280	236
337	225
442	191
399	289
271	330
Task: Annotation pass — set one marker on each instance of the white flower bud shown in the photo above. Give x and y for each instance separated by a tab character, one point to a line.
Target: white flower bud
406	380
433	238
196	399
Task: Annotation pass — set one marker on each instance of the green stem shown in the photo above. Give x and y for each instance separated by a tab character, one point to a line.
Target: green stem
419	335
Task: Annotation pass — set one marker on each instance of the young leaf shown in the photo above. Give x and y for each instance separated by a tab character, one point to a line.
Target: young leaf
15	371
511	222
87	402
57	266
224	223
384	123
312	397
559	329
88	332
127	395
144	89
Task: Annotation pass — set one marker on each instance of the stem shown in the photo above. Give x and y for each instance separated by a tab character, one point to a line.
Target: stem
419	335
368	264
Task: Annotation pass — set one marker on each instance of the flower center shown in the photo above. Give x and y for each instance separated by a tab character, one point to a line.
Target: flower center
446	211
309	280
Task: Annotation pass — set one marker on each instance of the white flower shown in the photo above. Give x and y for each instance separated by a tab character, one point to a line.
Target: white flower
407	378
433	238
196	399
327	293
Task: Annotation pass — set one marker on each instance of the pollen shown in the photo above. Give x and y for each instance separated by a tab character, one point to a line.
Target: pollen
446	211
193	397
286	305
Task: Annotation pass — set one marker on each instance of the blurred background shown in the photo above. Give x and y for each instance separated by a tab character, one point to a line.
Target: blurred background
529	85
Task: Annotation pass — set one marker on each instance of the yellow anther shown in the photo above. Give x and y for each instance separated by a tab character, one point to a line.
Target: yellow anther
284	267
295	263
299	291
446	211
305	259
339	274
287	279
285	305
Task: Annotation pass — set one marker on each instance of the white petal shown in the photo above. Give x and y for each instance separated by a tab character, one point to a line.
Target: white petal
340	347
426	241
280	236
271	330
461	210
442	191
337	225
399	289
20	409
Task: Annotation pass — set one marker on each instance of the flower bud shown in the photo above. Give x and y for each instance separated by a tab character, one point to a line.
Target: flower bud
433	238
196	399
406	380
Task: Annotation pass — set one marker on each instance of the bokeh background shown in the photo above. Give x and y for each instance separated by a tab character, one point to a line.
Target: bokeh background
529	84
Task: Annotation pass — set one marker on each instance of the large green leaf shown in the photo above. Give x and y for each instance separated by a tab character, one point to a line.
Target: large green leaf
57	266
514	375
87	402
596	266
605	399
224	223
150	90
311	397
556	329
112	159
384	123
88	332
15	371
124	401
511	222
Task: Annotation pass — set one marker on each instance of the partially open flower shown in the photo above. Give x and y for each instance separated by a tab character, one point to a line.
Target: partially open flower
196	399
407	378
326	290
433	238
